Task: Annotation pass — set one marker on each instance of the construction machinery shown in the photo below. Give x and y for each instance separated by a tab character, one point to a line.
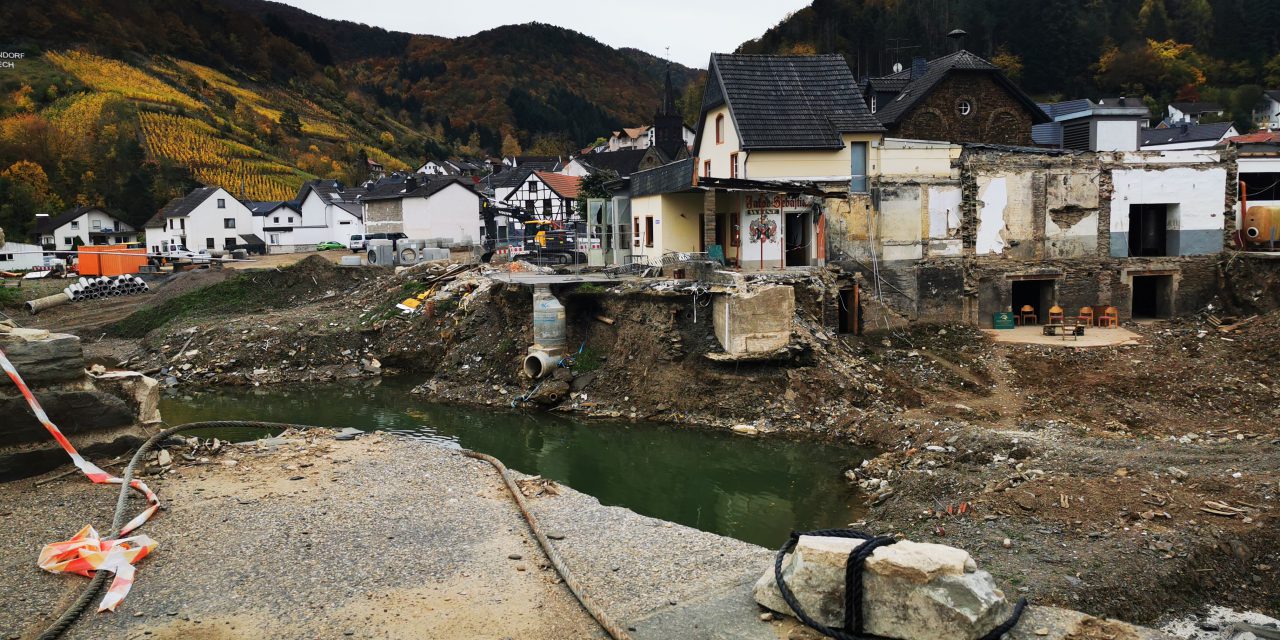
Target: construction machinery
546	241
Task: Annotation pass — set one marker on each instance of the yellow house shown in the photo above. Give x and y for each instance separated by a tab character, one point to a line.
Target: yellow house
779	137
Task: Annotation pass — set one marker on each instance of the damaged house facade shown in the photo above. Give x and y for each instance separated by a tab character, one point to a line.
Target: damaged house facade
939	198
778	135
1016	226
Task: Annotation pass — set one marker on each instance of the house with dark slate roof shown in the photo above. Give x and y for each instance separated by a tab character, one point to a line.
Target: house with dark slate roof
444	210
89	225
1266	115
1187	136
771	130
208	218
1191	112
959	97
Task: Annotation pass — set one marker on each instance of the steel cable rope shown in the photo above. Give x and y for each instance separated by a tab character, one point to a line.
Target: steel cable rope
72	613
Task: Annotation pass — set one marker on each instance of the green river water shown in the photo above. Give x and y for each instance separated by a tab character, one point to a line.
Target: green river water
753	489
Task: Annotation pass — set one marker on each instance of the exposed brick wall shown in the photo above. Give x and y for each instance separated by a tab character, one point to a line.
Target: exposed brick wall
384	216
996	117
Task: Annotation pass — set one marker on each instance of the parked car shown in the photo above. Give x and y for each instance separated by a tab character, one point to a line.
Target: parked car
182	253
359	242
329	244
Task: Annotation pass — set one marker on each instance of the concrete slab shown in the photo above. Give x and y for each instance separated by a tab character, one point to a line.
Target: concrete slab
1093	337
556	278
728	613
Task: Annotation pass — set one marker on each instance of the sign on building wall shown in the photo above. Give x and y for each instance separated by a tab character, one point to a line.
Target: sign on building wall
763	219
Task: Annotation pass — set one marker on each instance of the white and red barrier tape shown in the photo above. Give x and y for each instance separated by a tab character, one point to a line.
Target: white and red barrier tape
86	552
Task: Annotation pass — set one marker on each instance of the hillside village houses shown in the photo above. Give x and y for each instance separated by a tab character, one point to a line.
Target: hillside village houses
944	185
210	218
89	225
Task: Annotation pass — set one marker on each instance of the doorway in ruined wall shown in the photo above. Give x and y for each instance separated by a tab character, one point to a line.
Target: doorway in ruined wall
1039	294
850	316
799	234
1148	230
1152	297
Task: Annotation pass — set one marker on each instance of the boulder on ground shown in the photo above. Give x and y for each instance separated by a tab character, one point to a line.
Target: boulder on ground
912	591
42	357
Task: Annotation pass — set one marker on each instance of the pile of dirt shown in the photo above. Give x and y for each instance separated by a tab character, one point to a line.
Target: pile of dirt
247	292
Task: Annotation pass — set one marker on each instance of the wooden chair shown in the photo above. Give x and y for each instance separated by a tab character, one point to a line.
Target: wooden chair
1086	316
1110	318
1056	315
1028	311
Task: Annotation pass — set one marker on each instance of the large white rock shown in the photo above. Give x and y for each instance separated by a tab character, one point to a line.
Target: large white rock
911	590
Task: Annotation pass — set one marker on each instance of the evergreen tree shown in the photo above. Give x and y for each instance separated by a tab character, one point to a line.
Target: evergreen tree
290	123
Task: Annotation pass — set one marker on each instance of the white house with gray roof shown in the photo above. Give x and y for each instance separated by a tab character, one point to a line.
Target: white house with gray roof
91	225
208	218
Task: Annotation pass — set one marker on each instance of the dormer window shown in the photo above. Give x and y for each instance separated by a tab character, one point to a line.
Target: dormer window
720	129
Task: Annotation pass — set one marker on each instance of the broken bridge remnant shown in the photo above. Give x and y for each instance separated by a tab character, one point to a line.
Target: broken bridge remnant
755	321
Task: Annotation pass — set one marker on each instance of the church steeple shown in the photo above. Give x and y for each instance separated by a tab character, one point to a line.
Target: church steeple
667	122
668	96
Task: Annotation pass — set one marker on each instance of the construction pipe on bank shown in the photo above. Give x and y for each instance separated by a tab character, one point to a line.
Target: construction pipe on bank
47	302
549	336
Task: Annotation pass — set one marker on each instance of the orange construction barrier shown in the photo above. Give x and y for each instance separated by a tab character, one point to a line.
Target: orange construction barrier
110	260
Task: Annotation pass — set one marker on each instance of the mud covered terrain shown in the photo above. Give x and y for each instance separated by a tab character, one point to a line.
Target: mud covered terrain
1133	481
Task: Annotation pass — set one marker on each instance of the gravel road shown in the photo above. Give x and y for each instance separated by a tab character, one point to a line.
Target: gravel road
374	538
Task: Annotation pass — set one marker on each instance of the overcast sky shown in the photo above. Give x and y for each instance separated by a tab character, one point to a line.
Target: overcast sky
693	29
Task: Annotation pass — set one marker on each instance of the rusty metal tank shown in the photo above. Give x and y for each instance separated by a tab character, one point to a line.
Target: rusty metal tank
1261	225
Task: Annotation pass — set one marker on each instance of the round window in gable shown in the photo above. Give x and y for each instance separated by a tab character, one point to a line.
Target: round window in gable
964	107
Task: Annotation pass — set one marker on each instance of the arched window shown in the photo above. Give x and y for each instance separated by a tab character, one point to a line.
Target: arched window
720	129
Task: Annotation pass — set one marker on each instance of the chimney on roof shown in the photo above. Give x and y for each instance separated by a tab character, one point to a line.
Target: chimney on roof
918	67
957	37
1122	101
410	183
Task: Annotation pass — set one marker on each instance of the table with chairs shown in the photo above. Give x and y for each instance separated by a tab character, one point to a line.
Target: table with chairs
1059	323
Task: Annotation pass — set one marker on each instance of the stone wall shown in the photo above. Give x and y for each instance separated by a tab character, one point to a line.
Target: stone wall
996	117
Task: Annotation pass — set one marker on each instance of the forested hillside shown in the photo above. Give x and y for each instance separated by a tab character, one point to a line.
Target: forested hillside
126	103
1162	50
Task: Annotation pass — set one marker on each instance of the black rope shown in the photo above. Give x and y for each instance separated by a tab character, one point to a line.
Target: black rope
853	618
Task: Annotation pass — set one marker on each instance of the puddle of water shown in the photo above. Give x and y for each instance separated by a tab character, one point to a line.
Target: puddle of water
753	489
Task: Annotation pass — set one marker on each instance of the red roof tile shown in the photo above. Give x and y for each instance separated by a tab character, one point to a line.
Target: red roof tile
564	186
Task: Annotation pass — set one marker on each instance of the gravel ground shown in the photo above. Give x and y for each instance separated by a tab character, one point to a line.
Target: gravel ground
376	538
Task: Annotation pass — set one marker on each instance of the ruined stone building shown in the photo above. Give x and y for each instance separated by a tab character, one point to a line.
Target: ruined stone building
1006	227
